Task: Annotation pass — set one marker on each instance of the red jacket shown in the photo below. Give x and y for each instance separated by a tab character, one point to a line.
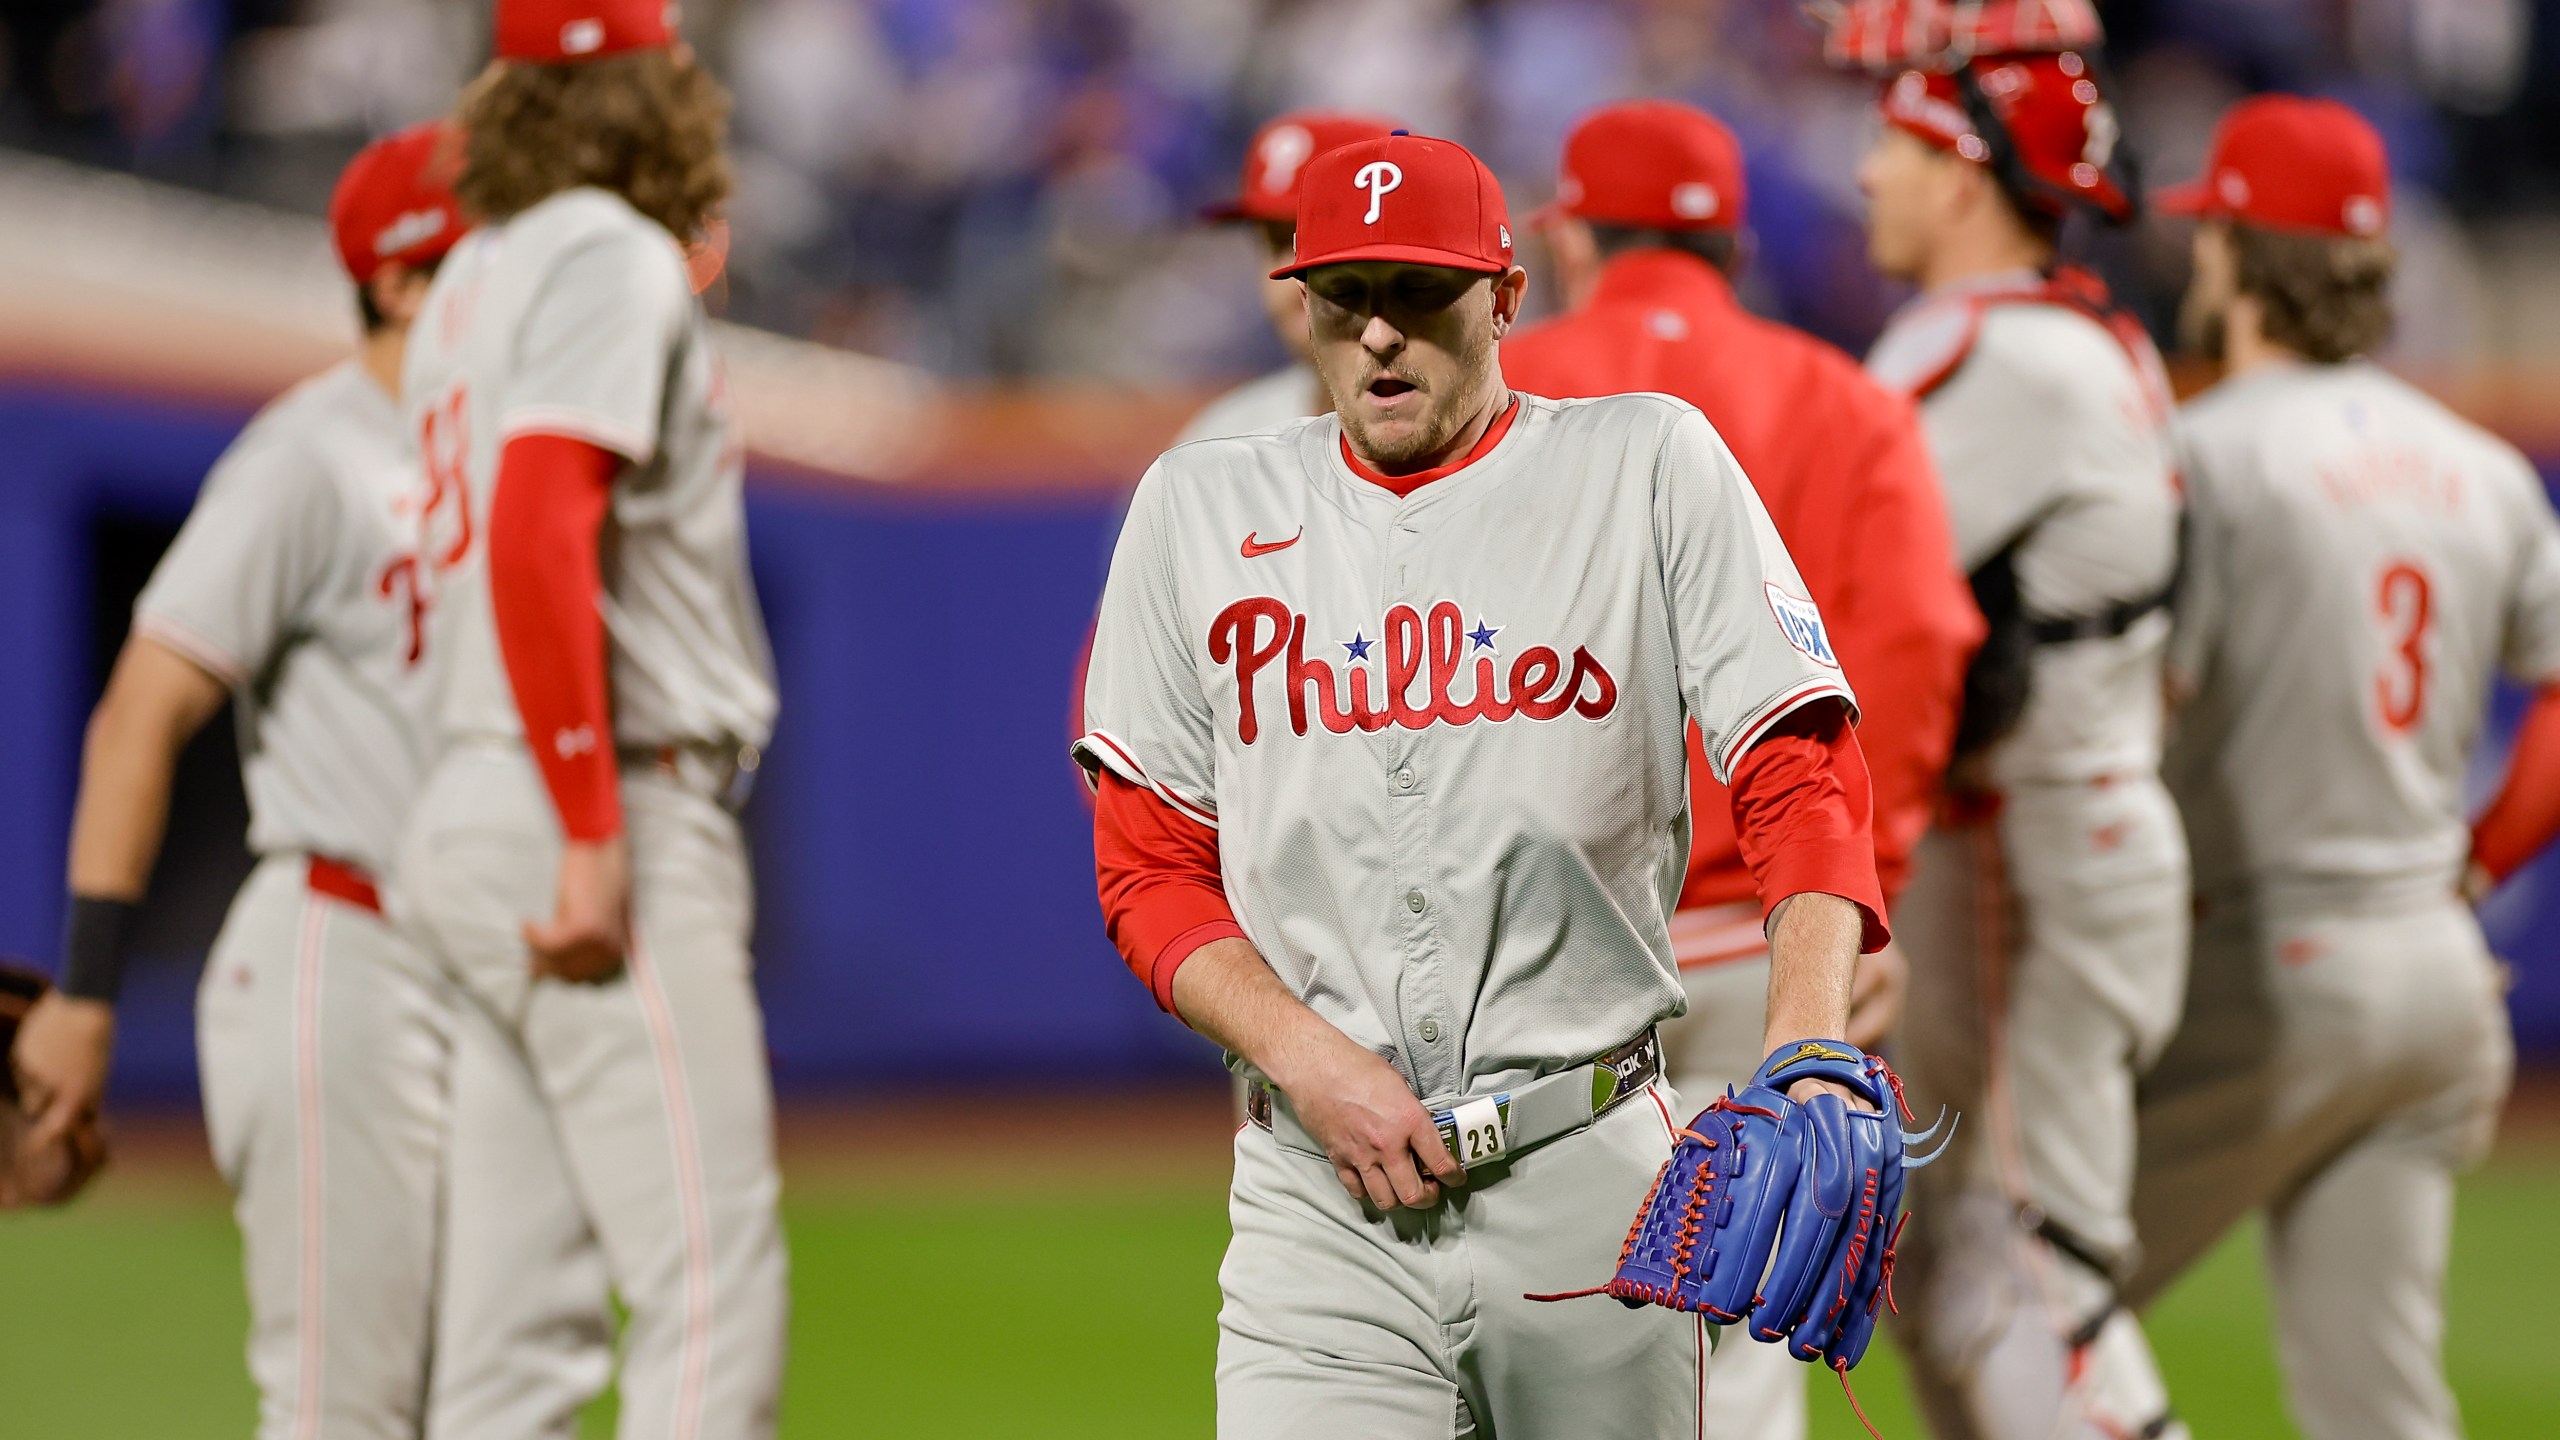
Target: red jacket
1844	470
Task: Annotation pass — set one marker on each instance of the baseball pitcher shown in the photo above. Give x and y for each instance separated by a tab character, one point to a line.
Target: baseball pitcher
1647	230
2046	921
1387	713
2362	562
603	685
323	1032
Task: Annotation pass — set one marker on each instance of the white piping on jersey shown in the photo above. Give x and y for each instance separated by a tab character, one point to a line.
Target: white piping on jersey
1106	748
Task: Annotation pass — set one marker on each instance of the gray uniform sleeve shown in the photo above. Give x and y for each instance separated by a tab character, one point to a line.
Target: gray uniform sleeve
1147	719
592	353
2532	650
2204	587
1751	643
259	544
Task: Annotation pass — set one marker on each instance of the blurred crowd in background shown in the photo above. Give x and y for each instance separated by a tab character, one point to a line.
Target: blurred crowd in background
1008	189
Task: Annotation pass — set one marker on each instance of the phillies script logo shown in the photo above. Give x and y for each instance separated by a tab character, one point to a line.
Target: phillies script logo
1434	653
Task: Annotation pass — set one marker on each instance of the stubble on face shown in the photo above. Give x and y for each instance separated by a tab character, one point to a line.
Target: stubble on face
1406	401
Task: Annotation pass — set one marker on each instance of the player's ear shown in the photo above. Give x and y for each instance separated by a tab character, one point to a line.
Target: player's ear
1510	291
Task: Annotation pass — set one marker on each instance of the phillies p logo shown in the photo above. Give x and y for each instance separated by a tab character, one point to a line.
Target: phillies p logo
1377	177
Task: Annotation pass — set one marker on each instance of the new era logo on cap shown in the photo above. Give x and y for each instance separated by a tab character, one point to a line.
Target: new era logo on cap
413	228
1401	197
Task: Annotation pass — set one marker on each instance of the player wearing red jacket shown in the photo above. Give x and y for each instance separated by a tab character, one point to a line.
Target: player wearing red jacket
1646	230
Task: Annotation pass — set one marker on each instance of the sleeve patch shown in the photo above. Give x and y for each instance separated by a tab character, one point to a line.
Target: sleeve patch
1800	621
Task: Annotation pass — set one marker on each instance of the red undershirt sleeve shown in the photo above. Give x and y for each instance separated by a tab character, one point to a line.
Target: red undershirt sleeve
1803	813
2525	814
545	522
1163	895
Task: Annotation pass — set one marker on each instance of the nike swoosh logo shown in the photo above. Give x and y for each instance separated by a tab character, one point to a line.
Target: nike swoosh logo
1253	547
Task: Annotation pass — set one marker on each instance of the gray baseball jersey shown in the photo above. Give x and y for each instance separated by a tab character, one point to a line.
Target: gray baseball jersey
2363	561
575	318
293	582
1291	392
2050	429
1442	737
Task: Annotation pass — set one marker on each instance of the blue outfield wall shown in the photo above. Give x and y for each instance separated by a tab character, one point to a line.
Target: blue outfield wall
922	848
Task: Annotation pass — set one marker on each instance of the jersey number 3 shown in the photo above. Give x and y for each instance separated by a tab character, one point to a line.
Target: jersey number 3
2407	605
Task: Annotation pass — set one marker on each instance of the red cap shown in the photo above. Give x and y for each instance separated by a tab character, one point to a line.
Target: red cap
1650	165
2287	163
2062	131
1402	197
1278	156
395	201
1889	35
551	32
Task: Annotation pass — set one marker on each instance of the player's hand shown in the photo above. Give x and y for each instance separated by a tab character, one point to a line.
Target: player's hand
1875	997
2477	885
589	932
1357	1107
60	1060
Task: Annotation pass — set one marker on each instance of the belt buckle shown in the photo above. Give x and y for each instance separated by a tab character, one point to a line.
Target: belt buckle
1629	1067
741	782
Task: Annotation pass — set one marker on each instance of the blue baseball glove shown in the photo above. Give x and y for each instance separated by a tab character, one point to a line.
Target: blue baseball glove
1777	1215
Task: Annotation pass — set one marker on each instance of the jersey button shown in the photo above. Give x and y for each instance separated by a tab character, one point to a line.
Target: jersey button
1404	778
1430	1032
1413	901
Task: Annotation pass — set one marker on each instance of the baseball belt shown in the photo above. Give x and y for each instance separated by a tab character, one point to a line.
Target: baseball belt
1480	1129
726	773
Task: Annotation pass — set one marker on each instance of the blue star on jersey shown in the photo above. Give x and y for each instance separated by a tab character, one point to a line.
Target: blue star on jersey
1483	635
1358	646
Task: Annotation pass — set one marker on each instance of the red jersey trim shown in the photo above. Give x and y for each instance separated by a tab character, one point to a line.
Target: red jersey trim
193	648
1103	748
1403	485
1752	729
1181	948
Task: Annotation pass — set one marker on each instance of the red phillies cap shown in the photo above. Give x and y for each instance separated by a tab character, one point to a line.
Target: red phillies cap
2062	132
1401	197
1651	165
550	32
395	201
1278	156
2288	163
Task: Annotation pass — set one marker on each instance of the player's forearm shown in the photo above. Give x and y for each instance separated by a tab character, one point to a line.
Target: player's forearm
1813	958
1226	992
154	703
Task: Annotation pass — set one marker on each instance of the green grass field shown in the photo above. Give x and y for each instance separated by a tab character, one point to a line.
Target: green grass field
1082	1309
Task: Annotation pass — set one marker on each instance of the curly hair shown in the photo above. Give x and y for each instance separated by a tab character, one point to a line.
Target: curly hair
2325	299
646	125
